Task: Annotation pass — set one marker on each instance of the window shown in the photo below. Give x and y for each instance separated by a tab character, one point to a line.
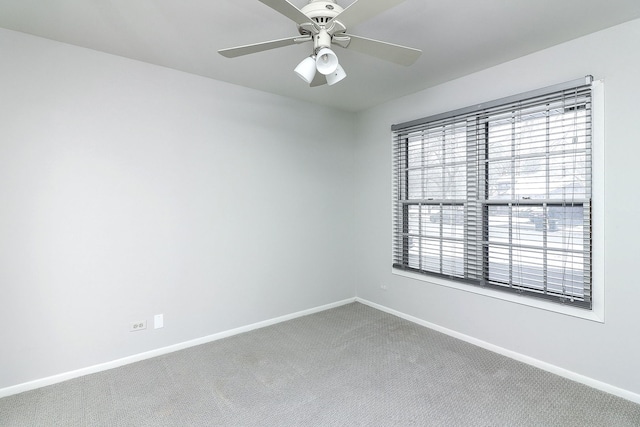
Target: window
499	195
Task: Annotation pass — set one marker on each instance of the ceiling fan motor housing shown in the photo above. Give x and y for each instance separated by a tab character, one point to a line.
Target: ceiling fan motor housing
322	11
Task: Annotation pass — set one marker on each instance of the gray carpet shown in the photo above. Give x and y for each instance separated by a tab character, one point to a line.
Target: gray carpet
349	366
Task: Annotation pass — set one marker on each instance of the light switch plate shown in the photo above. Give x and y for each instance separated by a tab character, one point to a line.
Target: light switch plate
158	321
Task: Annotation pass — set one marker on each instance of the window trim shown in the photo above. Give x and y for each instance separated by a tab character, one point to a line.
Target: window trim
597	312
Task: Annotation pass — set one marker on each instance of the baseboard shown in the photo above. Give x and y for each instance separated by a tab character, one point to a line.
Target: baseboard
32	385
599	385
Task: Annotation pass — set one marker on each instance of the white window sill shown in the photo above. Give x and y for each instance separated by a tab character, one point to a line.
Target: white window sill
596	314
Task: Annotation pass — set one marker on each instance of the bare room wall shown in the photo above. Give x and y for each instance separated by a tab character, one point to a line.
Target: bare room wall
130	190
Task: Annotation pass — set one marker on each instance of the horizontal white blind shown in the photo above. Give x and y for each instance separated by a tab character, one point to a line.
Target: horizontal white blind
500	194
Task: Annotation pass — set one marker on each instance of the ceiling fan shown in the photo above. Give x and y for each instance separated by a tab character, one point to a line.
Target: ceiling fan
325	23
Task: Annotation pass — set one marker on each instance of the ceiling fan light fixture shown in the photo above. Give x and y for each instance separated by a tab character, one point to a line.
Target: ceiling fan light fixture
326	61
325	23
338	75
306	69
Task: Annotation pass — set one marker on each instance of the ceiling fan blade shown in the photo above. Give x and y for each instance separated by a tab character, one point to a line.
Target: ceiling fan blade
233	52
287	9
360	11
387	51
318	80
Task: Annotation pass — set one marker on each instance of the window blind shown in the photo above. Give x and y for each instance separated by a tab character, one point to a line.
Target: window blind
499	194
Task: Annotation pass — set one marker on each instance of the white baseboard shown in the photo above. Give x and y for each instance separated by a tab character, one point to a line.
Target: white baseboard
31	385
599	385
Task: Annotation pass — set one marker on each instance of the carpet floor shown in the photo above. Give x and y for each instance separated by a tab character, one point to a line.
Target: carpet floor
348	366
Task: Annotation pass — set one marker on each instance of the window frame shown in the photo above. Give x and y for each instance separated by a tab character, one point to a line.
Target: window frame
596	313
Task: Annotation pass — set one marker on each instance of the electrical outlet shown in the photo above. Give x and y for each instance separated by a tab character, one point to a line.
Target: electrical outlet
138	326
383	287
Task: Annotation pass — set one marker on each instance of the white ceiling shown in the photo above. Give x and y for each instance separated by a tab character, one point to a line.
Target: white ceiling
457	37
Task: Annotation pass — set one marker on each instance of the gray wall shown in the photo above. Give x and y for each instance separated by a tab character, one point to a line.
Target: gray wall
129	190
606	352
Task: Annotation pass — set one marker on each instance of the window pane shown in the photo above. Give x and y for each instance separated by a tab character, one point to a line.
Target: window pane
568	174
531	178
498	263
434	183
500	138
566	273
433	147
528	268
415	184
455	146
452	221
430	255
500	180
531	135
414	220
414	154
452	258
499	224
517	225
569	221
431	221
455	184
568	130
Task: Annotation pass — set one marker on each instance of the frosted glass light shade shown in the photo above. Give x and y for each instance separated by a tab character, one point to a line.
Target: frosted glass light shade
336	76
326	61
306	69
